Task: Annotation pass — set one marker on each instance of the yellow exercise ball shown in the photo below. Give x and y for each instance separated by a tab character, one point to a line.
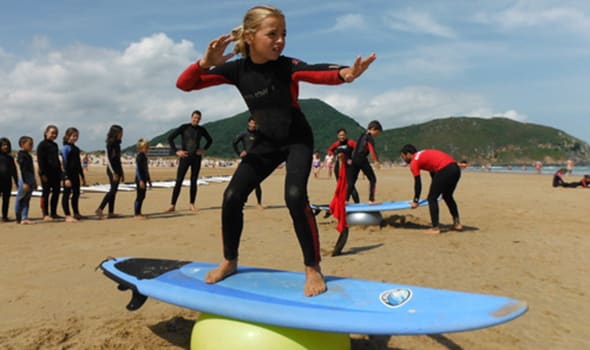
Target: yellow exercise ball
212	332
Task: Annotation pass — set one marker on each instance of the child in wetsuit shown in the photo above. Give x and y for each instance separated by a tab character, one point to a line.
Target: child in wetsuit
114	170
142	176
268	82
26	182
344	146
50	172
73	172
7	175
365	145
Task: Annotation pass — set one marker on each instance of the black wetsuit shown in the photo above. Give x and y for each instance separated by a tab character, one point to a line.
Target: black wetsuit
364	145
50	174
7	175
247	138
270	90
191	136
73	171
345	147
141	174
114	166
27	171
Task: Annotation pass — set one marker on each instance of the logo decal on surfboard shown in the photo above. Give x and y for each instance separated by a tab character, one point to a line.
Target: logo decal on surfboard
395	298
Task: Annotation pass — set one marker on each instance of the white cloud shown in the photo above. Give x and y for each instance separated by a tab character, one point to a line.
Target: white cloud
349	22
412	21
532	14
91	88
410	105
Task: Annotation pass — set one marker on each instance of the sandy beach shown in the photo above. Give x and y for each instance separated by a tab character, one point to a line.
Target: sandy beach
523	239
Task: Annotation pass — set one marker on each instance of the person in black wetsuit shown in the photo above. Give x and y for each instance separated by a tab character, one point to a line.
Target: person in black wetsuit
558	180
142	176
268	82
7	175
73	172
344	146
365	145
190	155
26	183
114	170
50	173
247	138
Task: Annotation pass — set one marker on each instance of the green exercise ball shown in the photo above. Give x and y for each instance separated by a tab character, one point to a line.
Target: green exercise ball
212	332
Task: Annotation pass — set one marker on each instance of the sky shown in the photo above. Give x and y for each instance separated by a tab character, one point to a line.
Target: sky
91	64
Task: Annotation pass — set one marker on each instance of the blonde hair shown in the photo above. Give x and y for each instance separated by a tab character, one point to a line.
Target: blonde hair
141	143
251	23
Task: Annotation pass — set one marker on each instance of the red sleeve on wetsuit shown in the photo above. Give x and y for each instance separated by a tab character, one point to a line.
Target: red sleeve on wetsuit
352	143
194	77
372	151
333	147
327	74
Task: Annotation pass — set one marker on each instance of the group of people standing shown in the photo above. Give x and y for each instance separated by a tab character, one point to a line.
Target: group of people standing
56	174
51	171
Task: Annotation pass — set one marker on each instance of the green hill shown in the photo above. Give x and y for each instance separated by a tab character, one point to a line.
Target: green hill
495	140
478	140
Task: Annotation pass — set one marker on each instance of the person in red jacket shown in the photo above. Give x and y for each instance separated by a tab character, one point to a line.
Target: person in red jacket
344	146
269	85
445	173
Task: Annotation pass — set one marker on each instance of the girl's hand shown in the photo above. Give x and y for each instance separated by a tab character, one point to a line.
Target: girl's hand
359	67
142	184
68	183
26	187
214	54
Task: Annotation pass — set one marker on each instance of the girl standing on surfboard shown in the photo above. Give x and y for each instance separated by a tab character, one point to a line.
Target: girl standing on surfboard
268	82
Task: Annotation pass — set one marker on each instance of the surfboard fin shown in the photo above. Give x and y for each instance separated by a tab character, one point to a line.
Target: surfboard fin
137	301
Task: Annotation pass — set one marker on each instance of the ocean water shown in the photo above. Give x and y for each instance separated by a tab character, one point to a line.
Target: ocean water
578	171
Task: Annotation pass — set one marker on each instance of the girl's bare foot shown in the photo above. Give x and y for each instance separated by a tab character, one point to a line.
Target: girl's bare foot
26	222
70	219
260	206
314	281
113	216
140	217
47	218
99	213
225	269
457	227
433	231
193	208
171	208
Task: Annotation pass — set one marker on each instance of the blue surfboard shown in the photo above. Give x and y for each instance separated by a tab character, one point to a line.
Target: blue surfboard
366	207
276	297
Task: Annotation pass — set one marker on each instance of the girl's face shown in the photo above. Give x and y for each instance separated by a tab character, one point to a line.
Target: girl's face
4	148
341	136
51	134
120	136
268	42
73	138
